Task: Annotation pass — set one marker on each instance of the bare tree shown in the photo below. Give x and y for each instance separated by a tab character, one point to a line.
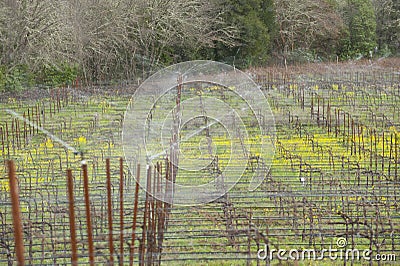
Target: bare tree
114	38
32	33
302	23
193	24
107	39
100	31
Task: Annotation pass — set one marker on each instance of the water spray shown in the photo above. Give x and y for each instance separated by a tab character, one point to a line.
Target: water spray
46	132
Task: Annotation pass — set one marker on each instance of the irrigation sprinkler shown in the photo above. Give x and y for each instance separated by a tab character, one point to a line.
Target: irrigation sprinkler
165	120
44	131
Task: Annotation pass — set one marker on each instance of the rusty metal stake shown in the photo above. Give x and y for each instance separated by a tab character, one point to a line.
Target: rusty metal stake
88	216
18	233
146	210
135	215
70	186
109	205
121	211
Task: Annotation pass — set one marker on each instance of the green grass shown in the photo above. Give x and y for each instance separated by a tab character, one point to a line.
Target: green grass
339	196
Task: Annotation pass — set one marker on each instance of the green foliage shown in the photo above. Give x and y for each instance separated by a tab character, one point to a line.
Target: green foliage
20	76
2	78
361	29
57	75
15	78
303	56
255	21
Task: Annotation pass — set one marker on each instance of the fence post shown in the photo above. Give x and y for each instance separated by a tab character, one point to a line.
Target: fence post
109	212
135	215
18	232
88	215
121	211
70	186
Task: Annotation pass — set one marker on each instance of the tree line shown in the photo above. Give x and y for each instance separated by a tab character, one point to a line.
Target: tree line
51	42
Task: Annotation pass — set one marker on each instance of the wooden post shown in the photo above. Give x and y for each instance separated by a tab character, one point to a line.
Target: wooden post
135	215
109	212
70	186
18	232
121	211
145	216
2	142
395	156
88	215
383	152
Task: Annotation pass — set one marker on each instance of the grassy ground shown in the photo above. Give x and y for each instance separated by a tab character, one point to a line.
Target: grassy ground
328	179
